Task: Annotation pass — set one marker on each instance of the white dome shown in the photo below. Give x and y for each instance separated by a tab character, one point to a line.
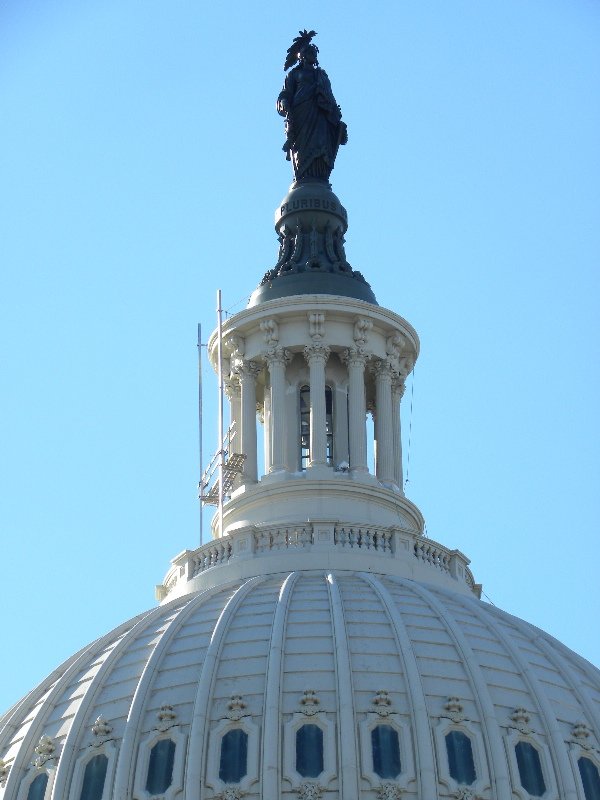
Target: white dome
342	650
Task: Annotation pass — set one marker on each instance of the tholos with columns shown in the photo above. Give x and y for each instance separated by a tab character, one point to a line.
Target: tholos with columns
234	393
397	392
316	355
276	361
247	371
357	409
384	433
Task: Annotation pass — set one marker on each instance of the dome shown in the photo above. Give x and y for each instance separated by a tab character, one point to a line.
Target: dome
356	657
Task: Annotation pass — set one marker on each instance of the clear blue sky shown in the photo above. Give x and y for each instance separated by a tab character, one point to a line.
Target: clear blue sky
141	163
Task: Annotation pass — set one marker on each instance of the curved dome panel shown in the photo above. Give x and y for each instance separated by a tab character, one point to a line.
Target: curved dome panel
343	652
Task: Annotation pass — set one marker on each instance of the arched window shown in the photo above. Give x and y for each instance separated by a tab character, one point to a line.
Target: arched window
530	769
305	425
233	765
160	766
385	747
460	757
94	778
590	778
309	751
37	787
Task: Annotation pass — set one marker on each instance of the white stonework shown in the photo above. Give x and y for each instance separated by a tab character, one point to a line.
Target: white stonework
321	647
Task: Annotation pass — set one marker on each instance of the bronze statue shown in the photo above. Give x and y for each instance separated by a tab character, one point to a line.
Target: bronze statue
313	120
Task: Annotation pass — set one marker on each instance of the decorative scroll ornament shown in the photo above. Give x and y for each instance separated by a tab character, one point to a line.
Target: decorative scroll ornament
230	793
235	707
316	325
361	331
310	791
4	770
236	346
45	752
405	366
455	709
167	717
521	717
382	702
101	730
270	328
394	345
309	702
389	791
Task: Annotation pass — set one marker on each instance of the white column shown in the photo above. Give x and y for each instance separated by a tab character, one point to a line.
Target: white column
234	393
266	421
357	409
277	359
248	370
397	392
317	354
384	466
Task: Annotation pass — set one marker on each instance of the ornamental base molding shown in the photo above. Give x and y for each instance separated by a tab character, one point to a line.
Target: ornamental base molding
310	791
389	791
230	793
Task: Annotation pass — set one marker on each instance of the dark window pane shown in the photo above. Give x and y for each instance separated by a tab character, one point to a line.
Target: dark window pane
590	778
304	427
460	757
234	756
530	769
160	768
309	751
37	789
329	423
386	751
94	777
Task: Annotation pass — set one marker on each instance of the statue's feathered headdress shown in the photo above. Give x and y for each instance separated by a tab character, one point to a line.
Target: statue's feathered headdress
299	43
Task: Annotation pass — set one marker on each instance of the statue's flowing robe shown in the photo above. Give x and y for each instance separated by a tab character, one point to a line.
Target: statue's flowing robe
314	128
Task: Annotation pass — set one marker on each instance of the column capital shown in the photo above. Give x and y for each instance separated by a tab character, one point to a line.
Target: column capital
246	368
383	368
277	355
316	351
355	356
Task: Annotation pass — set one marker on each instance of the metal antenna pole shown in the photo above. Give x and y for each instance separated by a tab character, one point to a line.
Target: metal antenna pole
200	428
221	444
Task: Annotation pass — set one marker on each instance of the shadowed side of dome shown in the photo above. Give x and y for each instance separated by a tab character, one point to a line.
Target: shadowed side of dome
341	683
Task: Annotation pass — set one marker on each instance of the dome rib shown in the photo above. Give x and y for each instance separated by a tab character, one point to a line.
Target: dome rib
46	705
201	716
69	748
425	757
580	690
562	768
349	771
271	752
555	652
125	771
496	758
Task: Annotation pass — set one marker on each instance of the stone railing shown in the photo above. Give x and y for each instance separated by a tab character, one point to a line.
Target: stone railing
390	543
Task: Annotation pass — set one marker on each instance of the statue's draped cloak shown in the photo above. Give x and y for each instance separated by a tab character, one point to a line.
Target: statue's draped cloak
314	127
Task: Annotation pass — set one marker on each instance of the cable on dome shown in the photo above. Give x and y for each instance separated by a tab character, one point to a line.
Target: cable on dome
412	396
239	302
489	599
